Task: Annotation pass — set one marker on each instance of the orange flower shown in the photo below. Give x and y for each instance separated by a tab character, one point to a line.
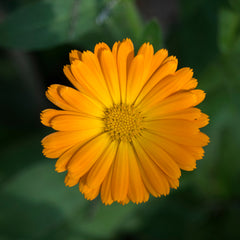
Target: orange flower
129	126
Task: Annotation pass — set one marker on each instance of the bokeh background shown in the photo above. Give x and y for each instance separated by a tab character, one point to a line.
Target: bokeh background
35	39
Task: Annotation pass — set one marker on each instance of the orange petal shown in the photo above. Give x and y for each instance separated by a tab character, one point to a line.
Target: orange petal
168	67
75	55
54	96
197	140
147	51
70	99
166	87
60	119
89	192
87	155
157	60
61	164
200	94
55	144
191	84
109	69
187	114
125	201
89	82
137	192
47	114
99	48
172	126
196	152
184	159
74	122
160	157
106	189
202	121
69	181
180	131
115	48
183	76
68	73
124	57
100	169
120	176
135	78
174	103
154	179
91	60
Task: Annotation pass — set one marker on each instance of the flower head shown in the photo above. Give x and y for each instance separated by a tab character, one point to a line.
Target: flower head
129	125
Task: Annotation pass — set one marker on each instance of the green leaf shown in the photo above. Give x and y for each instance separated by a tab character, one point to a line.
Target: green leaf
152	33
104	221
229	36
235	4
120	21
35	202
40	183
23	151
48	23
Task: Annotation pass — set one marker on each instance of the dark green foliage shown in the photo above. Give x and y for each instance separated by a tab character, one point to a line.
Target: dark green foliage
151	33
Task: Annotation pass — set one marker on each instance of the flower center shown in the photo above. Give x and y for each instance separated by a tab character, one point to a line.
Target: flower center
123	122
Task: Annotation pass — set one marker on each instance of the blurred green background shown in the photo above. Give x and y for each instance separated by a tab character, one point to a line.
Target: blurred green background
35	39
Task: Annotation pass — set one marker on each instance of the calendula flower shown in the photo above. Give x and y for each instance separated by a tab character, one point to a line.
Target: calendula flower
130	124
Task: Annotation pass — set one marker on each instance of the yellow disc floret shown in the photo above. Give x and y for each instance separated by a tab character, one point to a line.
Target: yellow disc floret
123	122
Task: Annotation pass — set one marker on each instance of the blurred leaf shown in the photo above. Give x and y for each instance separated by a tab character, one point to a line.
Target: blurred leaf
124	20
152	33
40	183
37	25
229	35
48	23
106	220
39	202
24	219
20	153
119	19
235	4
